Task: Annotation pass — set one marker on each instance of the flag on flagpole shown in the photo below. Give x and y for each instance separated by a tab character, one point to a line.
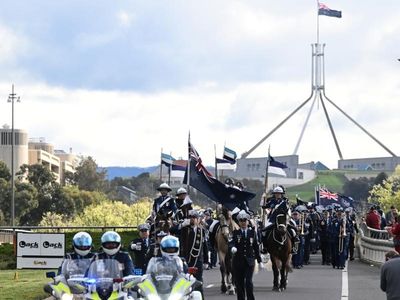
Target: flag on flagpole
167	159
201	179
229	155
326	11
276	167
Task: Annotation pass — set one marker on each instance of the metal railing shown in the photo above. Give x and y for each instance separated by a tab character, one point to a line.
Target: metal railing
373	244
7	233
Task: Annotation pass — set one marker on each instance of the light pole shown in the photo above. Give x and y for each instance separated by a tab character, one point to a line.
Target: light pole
12	98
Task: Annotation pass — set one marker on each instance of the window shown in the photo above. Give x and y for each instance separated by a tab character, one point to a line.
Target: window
301	175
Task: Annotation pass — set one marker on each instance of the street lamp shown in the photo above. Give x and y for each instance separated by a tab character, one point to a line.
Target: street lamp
12	98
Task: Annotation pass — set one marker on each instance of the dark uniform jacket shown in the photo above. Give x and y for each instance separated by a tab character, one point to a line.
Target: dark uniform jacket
123	259
247	247
194	245
169	204
141	257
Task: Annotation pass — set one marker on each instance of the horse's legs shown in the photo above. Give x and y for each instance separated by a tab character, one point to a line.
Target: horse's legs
276	275
282	285
223	272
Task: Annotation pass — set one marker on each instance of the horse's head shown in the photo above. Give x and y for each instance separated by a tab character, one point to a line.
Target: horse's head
282	217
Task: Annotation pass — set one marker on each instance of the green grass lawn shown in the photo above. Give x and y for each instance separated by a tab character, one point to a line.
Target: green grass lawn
332	180
29	285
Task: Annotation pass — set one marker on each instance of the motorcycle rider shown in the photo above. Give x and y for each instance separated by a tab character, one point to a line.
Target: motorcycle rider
82	246
111	245
169	248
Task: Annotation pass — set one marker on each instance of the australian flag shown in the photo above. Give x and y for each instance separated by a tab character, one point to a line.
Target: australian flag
326	11
203	181
327	197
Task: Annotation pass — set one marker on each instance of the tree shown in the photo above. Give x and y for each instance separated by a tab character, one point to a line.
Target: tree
88	177
388	192
358	188
4	171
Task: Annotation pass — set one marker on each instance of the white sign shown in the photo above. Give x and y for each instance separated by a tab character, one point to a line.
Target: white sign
40	250
38	262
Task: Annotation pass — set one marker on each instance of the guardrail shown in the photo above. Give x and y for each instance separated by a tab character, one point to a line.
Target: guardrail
7	233
373	244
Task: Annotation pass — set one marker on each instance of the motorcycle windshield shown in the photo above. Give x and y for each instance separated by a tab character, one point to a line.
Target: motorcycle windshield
75	268
164	272
105	269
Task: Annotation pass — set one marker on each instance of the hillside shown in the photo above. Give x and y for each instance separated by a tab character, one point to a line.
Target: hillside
125	172
333	180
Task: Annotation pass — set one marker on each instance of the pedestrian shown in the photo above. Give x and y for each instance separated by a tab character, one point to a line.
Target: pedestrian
390	274
245	249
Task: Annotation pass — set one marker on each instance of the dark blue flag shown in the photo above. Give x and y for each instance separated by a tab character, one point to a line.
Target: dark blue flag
222	161
176	167
326	11
275	163
204	182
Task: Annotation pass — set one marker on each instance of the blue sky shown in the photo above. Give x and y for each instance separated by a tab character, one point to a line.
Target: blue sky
119	80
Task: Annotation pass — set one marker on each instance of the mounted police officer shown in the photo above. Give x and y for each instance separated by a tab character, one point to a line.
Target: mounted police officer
245	249
273	203
195	245
164	203
141	248
181	194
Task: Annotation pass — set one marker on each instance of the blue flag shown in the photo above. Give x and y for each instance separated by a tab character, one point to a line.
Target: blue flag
326	11
203	181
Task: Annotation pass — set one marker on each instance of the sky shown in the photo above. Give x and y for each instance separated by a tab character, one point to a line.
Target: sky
121	80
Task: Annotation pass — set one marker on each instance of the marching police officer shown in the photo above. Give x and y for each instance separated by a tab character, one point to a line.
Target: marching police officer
196	250
141	248
245	249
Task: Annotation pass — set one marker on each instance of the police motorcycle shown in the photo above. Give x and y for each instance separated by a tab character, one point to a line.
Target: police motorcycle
105	281
70	283
164	280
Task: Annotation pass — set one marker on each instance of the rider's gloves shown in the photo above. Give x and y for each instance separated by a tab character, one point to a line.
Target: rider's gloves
233	250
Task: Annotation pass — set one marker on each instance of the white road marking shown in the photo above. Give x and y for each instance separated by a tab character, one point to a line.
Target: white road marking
209	286
345	285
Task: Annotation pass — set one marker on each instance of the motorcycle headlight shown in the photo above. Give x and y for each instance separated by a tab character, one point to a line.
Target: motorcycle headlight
67	297
153	297
176	296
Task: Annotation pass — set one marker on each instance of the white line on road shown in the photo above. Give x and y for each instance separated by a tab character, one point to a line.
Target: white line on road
209	286
345	285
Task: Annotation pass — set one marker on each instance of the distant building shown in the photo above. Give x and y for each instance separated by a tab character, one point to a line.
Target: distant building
20	147
380	164
127	195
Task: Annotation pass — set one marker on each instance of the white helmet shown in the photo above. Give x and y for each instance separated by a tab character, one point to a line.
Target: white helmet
278	190
169	246
164	186
181	191
82	243
111	242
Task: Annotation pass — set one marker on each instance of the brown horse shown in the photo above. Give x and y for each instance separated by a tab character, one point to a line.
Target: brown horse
224	232
278	244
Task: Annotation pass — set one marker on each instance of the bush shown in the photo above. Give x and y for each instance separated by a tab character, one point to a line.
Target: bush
7	257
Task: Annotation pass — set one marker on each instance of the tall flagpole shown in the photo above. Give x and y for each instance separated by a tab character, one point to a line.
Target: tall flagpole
161	163
169	170
265	195
188	167
216	164
317	21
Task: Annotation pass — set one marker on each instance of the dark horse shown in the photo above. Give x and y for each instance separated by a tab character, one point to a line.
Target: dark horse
162	222
222	235
278	244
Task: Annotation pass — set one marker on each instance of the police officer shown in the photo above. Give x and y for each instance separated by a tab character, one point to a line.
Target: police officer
324	236
196	250
164	203
82	246
245	249
181	194
155	245
111	245
141	248
208	219
351	219
297	258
